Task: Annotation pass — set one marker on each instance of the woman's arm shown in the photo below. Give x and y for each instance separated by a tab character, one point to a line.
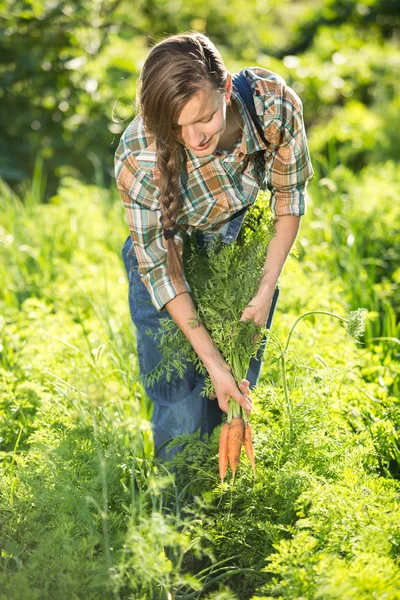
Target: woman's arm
288	170
279	247
182	310
277	252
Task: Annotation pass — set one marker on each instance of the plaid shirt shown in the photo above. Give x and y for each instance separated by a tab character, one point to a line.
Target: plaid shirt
218	185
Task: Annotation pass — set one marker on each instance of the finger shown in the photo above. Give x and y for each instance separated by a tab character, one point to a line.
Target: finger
245	384
248	400
223	404
224	408
243	401
248	410
244	388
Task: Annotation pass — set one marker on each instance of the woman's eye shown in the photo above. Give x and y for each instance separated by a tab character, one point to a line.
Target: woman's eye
177	127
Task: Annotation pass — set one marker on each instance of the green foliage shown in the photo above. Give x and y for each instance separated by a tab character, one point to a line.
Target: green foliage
354	235
83	504
58	87
341	551
325	483
71	517
325	455
85	510
223	279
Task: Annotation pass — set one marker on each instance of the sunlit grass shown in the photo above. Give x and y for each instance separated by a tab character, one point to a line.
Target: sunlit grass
87	510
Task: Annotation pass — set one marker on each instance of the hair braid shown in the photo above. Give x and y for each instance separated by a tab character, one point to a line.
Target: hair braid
168	161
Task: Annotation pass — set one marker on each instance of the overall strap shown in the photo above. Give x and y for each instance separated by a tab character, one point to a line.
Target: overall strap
246	93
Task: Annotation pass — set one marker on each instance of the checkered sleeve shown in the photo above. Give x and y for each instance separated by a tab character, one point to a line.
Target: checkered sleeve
289	167
143	219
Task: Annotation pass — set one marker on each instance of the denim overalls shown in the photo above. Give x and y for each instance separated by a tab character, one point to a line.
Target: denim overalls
178	406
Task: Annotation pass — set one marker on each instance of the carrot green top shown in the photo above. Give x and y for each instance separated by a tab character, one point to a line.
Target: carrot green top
215	186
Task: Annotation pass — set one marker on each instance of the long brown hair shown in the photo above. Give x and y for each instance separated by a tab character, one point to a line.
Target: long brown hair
175	69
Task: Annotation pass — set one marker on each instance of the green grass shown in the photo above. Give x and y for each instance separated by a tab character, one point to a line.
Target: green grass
87	512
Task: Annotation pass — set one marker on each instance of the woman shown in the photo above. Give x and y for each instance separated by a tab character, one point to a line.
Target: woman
187	165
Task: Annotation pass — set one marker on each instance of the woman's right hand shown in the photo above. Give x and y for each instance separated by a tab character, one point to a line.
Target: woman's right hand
226	387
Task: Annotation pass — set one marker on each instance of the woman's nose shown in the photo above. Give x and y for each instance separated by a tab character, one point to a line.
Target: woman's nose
195	137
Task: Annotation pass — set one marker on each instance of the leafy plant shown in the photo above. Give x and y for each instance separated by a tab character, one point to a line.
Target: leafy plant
223	279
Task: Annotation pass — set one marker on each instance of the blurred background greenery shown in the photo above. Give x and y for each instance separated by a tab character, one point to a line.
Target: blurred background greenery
69	69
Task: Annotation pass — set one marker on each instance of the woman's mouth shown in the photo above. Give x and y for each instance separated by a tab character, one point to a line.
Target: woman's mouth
204	146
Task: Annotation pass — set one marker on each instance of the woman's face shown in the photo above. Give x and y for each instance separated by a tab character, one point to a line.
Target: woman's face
202	121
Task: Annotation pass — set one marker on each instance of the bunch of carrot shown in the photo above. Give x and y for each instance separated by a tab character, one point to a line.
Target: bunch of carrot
235	433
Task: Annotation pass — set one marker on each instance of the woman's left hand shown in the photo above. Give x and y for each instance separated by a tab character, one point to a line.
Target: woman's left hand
258	309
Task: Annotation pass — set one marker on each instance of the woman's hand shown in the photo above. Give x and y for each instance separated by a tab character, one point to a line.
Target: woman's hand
225	388
258	308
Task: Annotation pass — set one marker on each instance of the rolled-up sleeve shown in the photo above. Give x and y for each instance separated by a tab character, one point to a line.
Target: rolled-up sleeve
288	167
146	231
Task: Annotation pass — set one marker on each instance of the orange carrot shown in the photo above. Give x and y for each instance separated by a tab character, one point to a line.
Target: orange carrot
235	441
248	446
223	450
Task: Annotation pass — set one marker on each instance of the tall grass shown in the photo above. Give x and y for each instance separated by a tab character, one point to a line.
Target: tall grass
87	511
352	236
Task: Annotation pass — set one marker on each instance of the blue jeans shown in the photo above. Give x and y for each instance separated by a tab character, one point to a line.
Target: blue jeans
178	406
